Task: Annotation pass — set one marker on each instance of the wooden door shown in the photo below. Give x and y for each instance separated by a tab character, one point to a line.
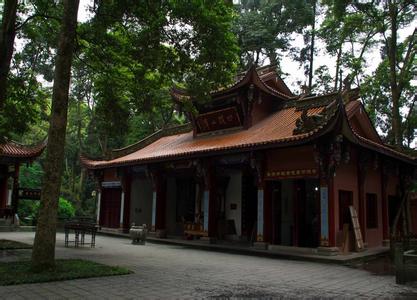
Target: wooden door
276	213
110	207
345	200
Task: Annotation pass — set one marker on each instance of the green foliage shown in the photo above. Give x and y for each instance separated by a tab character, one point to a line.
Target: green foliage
376	94
28	210
12	273
264	27
323	80
133	53
65	209
31	176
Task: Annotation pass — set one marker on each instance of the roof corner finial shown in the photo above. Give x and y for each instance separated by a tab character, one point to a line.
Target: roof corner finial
347	83
305	91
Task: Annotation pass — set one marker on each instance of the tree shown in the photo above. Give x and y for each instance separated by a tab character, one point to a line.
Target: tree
264	28
367	24
7	36
349	34
43	255
398	14
143	52
377	97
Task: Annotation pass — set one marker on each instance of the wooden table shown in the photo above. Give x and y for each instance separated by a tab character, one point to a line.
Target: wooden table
80	229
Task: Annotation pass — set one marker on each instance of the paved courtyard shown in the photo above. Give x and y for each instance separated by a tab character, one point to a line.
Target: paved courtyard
171	272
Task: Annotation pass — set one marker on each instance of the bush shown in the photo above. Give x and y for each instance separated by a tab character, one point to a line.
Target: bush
28	210
65	209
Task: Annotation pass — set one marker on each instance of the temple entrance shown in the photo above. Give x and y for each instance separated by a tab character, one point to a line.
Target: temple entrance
295	212
249	207
394	205
308	200
110	207
185	204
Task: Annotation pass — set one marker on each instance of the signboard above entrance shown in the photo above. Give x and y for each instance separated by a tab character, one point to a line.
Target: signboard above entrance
218	120
30	194
111	184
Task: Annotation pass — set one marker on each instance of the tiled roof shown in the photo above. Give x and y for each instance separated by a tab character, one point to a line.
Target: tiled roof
275	129
12	149
254	75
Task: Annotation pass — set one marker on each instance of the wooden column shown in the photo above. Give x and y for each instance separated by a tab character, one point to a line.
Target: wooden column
384	201
158	203
267	212
205	173
98	207
160	221
328	155
257	164
122	207
126	186
261	213
361	176
15	191
3	191
331	213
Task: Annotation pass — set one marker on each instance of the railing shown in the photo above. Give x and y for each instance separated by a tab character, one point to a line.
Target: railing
6	212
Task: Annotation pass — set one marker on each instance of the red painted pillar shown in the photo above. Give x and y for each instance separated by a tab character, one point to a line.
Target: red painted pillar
260	234
127	191
332	225
160	203
212	226
209	199
3	192
384	201
15	192
361	173
296	191
268	212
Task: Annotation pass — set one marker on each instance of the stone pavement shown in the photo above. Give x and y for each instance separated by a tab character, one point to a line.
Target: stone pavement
175	272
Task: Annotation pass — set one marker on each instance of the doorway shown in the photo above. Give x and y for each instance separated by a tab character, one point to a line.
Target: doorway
185	200
110	207
295	212
249	207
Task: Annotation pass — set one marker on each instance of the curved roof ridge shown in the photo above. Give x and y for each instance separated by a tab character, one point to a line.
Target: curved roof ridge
183	147
14	149
378	147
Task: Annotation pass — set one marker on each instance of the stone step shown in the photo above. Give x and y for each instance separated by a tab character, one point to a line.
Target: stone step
7	228
5	222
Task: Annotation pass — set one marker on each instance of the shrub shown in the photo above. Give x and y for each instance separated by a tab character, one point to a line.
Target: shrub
28	210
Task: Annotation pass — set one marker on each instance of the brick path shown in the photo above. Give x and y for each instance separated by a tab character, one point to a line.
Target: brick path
163	271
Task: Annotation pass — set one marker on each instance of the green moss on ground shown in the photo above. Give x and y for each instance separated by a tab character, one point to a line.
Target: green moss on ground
11	245
19	272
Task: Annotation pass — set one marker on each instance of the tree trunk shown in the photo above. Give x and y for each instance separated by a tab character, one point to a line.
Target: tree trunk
392	58
8	33
43	255
336	80
313	37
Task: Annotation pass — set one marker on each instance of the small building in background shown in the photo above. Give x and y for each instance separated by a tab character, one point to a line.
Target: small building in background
12	155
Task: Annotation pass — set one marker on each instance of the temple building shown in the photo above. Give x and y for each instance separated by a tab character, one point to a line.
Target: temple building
12	155
259	164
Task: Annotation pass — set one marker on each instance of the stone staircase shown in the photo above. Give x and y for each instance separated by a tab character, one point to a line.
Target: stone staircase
6	225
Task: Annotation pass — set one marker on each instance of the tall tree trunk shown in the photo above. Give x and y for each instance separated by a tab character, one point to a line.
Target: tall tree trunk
392	58
339	55
8	33
43	255
313	37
